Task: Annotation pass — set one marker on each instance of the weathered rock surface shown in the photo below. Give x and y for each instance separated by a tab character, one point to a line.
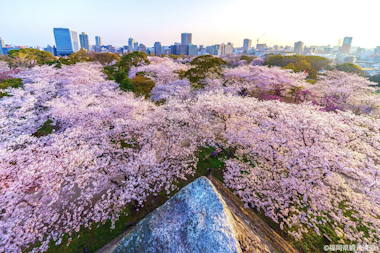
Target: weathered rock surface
193	220
202	217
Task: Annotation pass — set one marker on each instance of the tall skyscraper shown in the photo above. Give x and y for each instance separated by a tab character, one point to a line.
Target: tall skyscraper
66	41
98	41
142	48
136	46
298	47
131	42
2	45
186	38
192	49
157	48
247	45
84	41
174	49
346	47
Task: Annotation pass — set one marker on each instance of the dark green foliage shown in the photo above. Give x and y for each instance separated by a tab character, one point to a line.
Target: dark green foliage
309	63
79	56
350	68
375	79
120	75
247	58
110	71
42	57
204	65
173	56
46	129
13	83
133	59
126	84
106	59
142	86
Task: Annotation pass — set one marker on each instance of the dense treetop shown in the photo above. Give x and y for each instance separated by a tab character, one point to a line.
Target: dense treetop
305	154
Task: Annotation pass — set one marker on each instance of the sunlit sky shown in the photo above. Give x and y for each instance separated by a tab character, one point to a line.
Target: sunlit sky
322	22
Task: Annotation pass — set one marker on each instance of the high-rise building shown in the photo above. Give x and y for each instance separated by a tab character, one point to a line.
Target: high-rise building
98	41
2	45
225	49
51	49
186	38
66	41
174	49
247	45
327	50
298	47
142	48
261	47
131	41
157	48
182	49
212	50
346	47
136	46
377	50
84	41
192	49
111	49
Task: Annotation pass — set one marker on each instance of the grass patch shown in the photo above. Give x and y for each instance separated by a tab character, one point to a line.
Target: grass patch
46	129
10	83
312	81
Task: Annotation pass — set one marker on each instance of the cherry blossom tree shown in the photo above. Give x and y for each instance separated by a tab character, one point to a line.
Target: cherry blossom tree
110	149
302	166
345	91
161	70
264	79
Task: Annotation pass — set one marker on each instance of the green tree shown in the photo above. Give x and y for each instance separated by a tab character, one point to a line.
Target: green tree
317	62
275	60
120	75
375	79
13	83
79	56
310	63
133	59
127	85
247	58
106	59
141	86
292	66
31	54
350	68
173	56
203	66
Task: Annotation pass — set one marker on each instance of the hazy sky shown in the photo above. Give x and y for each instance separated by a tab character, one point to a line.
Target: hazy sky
322	22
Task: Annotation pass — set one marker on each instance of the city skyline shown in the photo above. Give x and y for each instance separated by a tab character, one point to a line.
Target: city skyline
150	24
